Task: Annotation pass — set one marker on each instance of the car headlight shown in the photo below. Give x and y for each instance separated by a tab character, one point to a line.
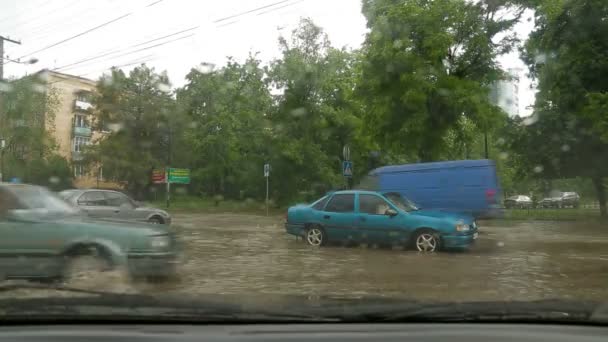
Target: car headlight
160	242
462	227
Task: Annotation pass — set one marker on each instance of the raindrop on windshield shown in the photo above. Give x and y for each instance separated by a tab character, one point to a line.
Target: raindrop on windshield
530	120
5	87
540	58
39	88
115	127
164	87
299	112
44	76
205	68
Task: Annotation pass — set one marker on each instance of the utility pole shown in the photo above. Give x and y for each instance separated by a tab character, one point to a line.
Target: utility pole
2	39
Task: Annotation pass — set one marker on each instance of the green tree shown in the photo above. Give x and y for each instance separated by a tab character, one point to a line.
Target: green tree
428	64
135	109
228	130
568	55
316	113
27	117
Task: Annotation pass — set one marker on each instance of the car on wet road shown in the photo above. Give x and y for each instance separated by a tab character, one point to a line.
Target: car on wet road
519	202
379	218
45	237
108	204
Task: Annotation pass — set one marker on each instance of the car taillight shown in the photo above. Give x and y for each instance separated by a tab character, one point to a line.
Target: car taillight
491	195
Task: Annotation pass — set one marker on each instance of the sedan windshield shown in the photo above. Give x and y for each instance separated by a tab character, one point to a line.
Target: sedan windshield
401	202
40	200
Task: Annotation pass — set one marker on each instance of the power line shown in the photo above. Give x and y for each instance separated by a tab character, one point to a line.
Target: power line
34	19
78	35
86	31
25	10
249	11
257	9
130	47
148	47
66	20
280	7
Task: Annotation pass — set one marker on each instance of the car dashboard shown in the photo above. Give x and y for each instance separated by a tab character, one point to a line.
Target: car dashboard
305	332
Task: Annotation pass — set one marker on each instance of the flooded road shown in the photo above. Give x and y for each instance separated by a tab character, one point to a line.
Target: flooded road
250	255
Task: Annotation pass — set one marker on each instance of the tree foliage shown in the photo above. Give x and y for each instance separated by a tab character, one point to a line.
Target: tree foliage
568	55
134	110
427	64
27	122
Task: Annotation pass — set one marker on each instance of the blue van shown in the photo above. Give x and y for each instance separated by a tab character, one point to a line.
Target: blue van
466	186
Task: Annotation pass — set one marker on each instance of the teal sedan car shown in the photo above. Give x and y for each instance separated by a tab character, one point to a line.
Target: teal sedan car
379	218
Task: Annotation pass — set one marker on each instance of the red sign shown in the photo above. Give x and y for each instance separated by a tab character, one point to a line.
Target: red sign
158	176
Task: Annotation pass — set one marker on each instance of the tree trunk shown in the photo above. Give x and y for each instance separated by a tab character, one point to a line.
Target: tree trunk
600	189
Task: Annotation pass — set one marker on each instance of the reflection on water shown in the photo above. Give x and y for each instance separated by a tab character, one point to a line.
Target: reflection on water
238	254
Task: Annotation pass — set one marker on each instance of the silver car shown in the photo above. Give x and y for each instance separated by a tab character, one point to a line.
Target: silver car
108	204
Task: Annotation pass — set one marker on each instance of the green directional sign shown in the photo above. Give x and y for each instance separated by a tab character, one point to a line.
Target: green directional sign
178	176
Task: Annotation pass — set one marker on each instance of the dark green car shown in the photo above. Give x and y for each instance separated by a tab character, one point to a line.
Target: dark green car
41	236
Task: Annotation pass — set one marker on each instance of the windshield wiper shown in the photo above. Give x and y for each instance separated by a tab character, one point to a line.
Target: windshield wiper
53	287
102	306
555	311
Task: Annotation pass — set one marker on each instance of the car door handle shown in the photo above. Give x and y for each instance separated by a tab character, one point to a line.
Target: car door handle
326	217
362	218
117	211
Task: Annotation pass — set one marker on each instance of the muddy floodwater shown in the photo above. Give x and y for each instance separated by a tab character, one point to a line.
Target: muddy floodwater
252	256
249	255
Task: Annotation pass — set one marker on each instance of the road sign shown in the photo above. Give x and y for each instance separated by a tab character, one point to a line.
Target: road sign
266	170
158	176
347	168
346	152
178	176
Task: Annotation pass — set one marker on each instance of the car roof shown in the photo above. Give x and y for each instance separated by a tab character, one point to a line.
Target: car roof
364	192
433	165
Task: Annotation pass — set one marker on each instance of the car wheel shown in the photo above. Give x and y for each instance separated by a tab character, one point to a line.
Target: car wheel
84	268
426	241
315	236
155	220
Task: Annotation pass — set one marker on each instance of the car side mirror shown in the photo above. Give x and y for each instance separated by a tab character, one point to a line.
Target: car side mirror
390	212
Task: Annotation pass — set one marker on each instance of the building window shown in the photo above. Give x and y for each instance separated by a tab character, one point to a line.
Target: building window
84	97
79	171
80	142
81	121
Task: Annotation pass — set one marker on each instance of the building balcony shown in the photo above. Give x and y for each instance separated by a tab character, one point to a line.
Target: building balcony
82	131
82	106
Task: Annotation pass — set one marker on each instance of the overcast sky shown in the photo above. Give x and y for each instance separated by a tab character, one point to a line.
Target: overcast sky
218	29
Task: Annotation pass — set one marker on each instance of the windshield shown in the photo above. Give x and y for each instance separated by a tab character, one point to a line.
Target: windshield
40	200
401	202
432	150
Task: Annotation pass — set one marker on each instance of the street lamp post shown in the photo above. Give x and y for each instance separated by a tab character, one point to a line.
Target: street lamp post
2	145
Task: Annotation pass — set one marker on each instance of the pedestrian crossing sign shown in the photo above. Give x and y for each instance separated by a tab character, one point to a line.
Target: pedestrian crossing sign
347	168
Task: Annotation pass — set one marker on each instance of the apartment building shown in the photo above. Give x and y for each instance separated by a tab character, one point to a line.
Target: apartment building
505	93
73	125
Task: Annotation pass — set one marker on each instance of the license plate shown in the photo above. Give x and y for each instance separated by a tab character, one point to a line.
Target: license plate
475	235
